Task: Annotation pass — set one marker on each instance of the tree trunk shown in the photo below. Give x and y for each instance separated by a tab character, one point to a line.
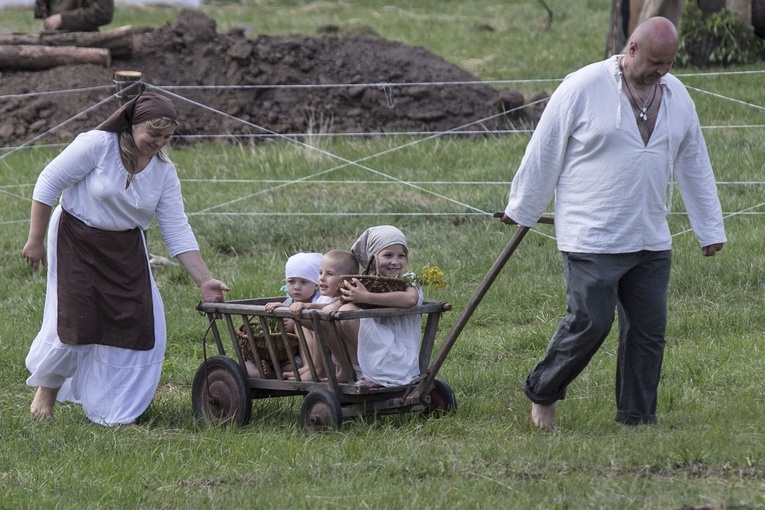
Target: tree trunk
44	57
119	41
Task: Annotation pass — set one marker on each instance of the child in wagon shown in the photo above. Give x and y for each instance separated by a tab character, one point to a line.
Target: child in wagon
387	347
301	276
333	265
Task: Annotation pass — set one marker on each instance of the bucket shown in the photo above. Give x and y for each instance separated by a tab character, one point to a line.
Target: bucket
125	86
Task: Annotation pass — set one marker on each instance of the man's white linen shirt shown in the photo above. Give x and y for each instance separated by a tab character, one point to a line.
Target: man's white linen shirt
611	189
90	178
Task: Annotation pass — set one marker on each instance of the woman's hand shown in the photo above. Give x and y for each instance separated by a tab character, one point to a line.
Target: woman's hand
34	254
212	291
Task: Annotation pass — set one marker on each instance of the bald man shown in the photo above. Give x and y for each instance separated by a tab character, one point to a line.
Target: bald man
611	141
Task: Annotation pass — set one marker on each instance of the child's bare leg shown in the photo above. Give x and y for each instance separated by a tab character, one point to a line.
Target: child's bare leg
252	369
42	404
313	354
348	331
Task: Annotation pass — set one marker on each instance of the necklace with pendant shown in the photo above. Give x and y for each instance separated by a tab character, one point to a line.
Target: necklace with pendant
643	115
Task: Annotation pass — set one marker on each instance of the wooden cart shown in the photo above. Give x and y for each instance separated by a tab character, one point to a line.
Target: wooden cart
222	391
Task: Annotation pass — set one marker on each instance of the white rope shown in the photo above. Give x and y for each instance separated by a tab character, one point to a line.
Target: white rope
346	161
387	89
45	133
384	86
301	214
367	134
720	96
54	92
719	73
728	215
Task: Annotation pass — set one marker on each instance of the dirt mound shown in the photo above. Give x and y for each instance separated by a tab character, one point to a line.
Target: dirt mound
190	52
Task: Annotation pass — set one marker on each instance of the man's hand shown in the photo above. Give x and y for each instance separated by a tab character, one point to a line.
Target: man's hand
504	218
709	251
53	22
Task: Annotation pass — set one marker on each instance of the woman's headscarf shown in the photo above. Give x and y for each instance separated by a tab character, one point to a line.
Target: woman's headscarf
373	241
303	265
143	107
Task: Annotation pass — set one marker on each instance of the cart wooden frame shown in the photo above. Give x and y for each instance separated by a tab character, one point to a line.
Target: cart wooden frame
222	391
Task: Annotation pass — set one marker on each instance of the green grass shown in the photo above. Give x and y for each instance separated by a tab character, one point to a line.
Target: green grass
708	449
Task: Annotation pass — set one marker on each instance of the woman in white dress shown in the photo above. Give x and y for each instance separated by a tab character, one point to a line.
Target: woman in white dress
102	340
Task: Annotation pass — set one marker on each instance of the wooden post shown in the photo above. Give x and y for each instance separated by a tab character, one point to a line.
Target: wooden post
125	85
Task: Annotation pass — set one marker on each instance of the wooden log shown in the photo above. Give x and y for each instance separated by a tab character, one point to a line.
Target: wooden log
118	41
44	57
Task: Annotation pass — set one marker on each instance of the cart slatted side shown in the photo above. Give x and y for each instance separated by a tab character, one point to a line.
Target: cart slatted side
325	324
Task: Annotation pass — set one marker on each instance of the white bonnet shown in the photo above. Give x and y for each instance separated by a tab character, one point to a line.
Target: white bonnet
303	265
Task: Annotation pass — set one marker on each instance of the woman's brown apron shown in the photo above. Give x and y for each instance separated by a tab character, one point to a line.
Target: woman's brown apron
104	287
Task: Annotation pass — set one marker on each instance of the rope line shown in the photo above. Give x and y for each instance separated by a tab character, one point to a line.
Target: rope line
728	215
368	134
720	96
355	182
346	162
64	123
55	92
387	89
347	85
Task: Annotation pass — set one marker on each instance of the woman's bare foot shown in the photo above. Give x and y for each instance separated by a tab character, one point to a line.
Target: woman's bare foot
543	416
369	384
42	404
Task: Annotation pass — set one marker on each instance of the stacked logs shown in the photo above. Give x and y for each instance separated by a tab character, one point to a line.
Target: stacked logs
50	49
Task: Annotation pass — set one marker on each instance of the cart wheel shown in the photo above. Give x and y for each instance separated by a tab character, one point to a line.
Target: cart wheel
220	392
320	411
442	399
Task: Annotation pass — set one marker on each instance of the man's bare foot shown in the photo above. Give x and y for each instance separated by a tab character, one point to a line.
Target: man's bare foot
369	384
42	404
543	416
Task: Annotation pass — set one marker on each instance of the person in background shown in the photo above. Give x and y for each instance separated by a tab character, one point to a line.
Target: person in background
74	15
609	144
103	335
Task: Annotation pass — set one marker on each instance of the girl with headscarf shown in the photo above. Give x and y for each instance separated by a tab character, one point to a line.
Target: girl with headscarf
102	340
388	347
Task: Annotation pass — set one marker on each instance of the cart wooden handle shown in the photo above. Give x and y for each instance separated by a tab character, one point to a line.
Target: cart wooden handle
426	385
542	219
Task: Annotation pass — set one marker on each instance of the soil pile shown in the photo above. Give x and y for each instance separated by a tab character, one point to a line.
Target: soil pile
190	52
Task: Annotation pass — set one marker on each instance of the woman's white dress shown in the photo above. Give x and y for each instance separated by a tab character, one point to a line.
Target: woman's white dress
114	385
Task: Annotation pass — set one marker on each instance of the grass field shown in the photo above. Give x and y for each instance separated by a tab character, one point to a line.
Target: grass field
708	450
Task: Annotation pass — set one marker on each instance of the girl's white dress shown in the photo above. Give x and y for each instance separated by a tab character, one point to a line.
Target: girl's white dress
389	348
114	385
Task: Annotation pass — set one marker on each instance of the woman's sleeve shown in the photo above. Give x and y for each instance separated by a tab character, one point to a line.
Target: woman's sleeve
71	166
172	218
